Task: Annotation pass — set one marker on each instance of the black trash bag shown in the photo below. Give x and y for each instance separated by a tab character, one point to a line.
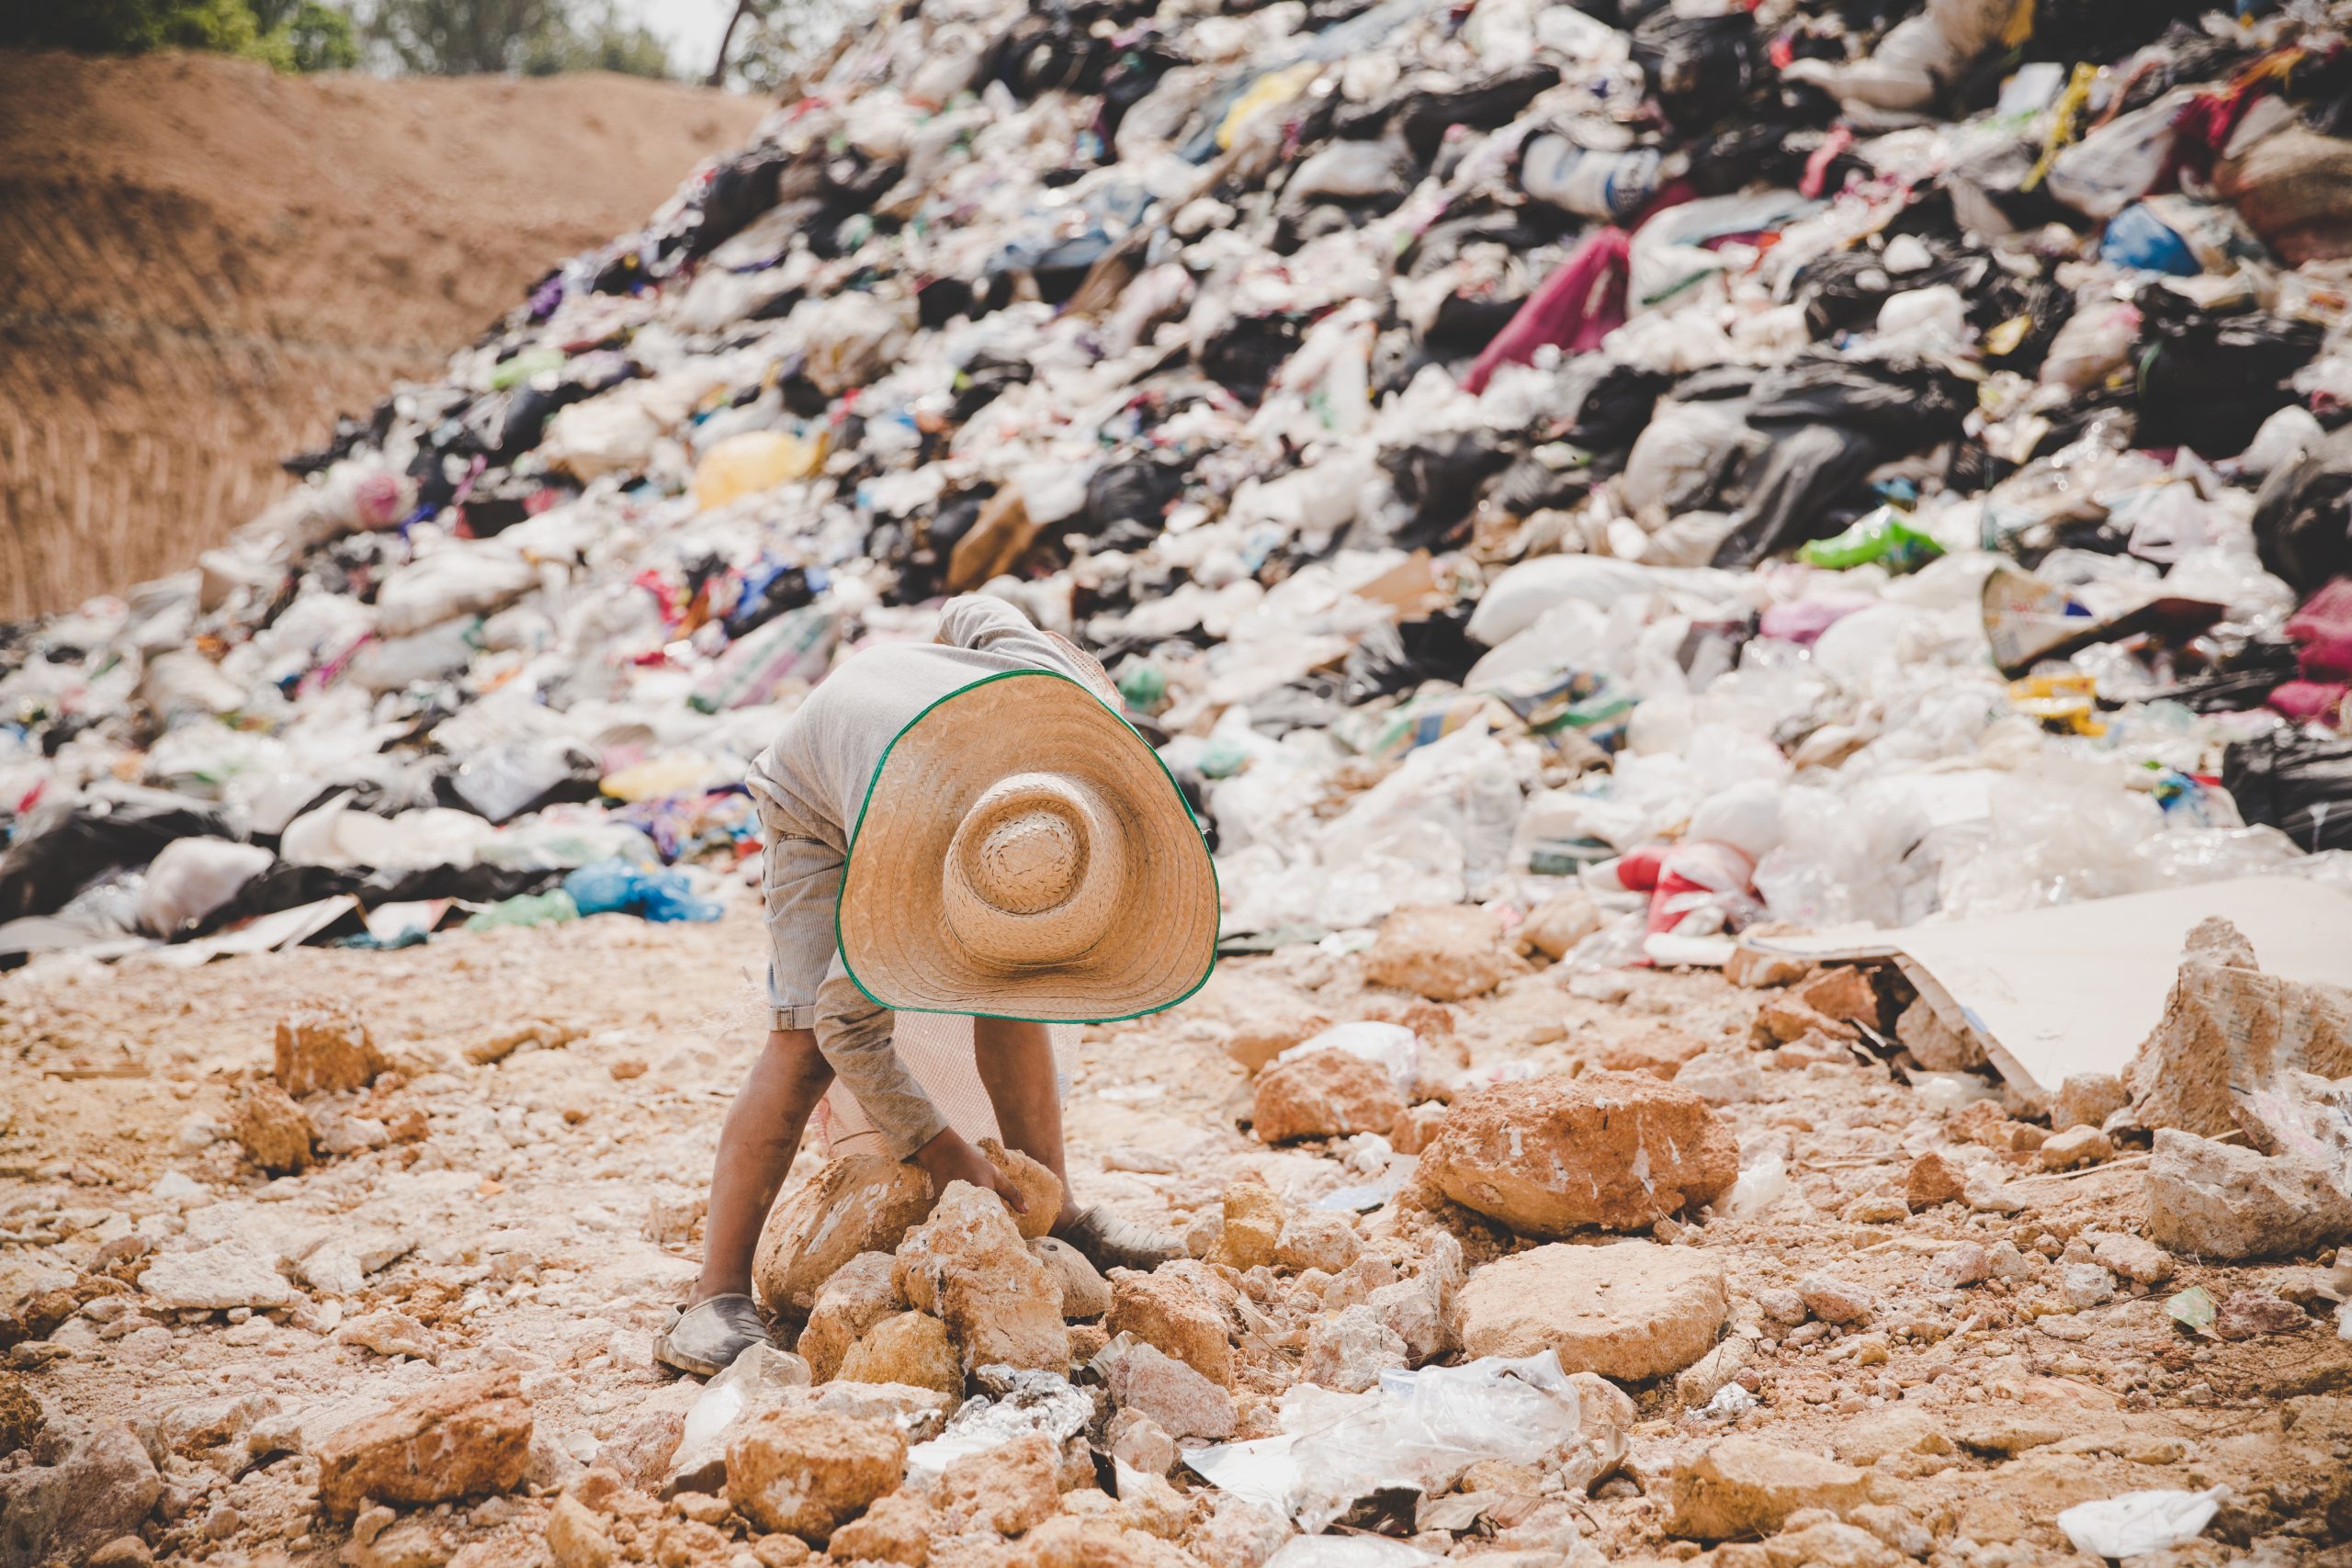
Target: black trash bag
1138	490
1793	489
2208	382
1699	67
63	846
2303	517
2299	783
1606	405
1440	476
1398	655
1906	404
1422	117
1842	290
1244	357
986	378
742	188
1545	477
2238	679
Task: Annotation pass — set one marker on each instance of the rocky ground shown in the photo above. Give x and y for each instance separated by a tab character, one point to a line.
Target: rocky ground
1942	1329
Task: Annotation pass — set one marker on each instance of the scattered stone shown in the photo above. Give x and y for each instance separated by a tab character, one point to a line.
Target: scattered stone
2008	1262
1740	1486
1008	1489
1936	1045
1265	1033
2219	1201
323	1048
864	1203
807	1472
1418	1126
671	1218
1071	1541
1844	993
1184	1404
1550	1155
966	1265
543	1034
1836	1300
909	1348
1326	1093
2246	1315
96	1484
1956	1266
1140	1442
1782	1306
275	1133
463	1437
234	1273
123	1551
2085	1285
1041	1189
2226	1023
1699	1381
2077	1146
1558	924
857	1297
1828	1544
1169	1309
1237	1533
1348	1350
1756	969
390	1334
1899	1429
2142	1262
576	1537
1722	1078
1085	1294
1933	1178
1877	1209
1445	954
21	1415
898	1528
1252	1226
1415	1312
1630	1311
2087	1100
1317	1238
1603	986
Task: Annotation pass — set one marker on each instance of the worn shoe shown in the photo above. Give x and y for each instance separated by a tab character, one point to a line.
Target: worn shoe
705	1339
1110	1242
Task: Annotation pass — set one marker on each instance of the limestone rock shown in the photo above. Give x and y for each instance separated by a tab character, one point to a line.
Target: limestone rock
864	1203
965	1265
1415	1312
2226	1023
1444	953
323	1048
1722	1078
462	1436
1317	1238
275	1133
21	1415
1935	1044
1658	1052
2075	1146
1041	1189
1418	1127
909	1347
1965	1263
1168	1310
2247	1315
234	1273
1897	1429
1264	1032
1632	1310
2142	1262
2215	1200
898	1528
1011	1488
1833	1300
1757	970
1844	993
390	1334
1085	1294
807	1472
1934	1178
1830	1543
1348	1350
1184	1404
2087	1100
1140	1442
576	1537
1254	1226
1237	1533
1740	1486
1073	1542
1550	1155
858	1296
1558	923
90	1484
1324	1094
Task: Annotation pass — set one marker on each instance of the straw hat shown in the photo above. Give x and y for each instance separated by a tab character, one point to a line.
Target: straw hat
1023	854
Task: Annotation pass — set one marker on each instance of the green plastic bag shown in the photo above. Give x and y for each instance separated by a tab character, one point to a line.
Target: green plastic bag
1886	536
526	909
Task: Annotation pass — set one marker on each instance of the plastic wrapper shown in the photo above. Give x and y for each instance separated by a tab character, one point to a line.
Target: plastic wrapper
189	878
2140	1522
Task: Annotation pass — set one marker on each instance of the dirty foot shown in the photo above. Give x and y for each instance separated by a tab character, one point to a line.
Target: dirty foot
705	1339
1110	1242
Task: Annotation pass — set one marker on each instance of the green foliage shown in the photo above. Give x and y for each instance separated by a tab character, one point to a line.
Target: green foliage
451	38
595	38
292	35
308	35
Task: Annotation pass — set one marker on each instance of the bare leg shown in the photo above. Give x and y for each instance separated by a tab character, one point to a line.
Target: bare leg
1016	1066
755	1150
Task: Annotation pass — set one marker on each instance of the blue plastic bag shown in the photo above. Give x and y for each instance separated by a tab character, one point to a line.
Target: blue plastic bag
619	887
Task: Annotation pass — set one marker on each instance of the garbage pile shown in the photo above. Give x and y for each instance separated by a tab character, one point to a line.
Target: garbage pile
1815	463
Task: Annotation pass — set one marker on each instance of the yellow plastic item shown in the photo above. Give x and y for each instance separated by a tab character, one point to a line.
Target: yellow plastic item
753	461
677	774
2071	701
1272	89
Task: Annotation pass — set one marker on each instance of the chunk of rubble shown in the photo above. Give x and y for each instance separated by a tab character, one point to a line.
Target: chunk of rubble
897	1528
909	1348
2087	1100
2076	1148
1085	1294
1836	1300
323	1048
1251	1233
1740	1487
1551	1155
389	1332
1935	1044
2227	1023
966	1265
1185	1404
1140	1442
462	1437
2142	1262
1328	1093
276	1133
863	1204
1008	1489
228	1274
1632	1310
1555	927
1040	1189
807	1472
1446	954
1934	1177
859	1295
2219	1201
1178	1312
1317	1238
89	1484
1722	1078
1268	1029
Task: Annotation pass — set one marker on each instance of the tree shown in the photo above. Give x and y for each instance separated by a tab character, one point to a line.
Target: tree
455	37
292	35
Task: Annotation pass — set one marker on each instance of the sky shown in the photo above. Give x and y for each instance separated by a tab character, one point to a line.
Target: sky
690	28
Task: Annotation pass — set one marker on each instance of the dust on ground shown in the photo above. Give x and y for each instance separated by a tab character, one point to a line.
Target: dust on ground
208	261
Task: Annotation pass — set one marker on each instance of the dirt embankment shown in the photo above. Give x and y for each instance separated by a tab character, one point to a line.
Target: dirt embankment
206	261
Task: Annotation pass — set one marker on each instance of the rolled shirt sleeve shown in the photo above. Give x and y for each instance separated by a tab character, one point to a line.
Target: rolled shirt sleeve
854	1036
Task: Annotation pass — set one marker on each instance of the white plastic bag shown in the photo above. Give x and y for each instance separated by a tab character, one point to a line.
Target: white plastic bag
192	877
2140	1521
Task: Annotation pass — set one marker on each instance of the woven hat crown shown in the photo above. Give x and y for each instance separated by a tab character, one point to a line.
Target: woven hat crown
1033	872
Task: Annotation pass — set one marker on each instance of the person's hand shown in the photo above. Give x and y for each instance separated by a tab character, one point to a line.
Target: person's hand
948	1157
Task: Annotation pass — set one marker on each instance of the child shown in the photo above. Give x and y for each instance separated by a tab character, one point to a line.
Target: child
965	826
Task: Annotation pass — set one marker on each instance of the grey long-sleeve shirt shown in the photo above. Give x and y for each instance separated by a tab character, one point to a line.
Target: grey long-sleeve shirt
811	784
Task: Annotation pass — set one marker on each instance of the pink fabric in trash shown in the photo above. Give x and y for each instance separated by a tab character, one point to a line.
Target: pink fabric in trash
1582	302
2322	632
2312	701
1801	620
